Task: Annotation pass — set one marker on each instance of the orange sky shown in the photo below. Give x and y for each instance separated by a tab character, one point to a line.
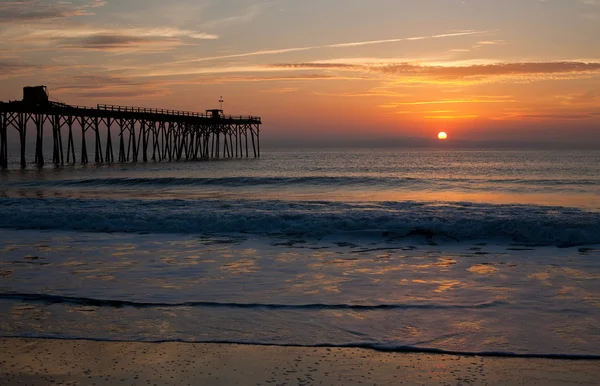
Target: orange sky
479	70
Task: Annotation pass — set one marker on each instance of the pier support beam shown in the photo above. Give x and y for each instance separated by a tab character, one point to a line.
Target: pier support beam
258	139
110	157
22	128
170	135
70	142
3	141
39	119
98	157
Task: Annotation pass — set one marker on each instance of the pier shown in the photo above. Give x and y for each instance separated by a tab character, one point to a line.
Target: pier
144	134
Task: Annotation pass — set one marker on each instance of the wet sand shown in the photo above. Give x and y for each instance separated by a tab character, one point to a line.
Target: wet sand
67	362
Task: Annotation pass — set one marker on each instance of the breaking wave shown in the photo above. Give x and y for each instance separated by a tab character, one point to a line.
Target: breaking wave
529	224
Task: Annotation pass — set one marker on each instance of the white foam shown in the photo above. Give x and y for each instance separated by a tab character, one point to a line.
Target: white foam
459	221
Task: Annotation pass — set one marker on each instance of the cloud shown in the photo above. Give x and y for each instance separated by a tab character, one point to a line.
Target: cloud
371	42
555	116
250	14
337	45
369	93
27	25
35	10
106	42
84	37
284	90
253	79
586	98
451	116
480	99
93	86
491	42
123	94
11	69
545	117
463	74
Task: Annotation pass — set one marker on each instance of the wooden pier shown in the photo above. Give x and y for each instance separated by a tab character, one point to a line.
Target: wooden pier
143	134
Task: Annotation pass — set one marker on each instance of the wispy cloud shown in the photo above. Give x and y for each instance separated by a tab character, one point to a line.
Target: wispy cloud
463	74
10	69
284	90
369	93
95	86
337	45
256	79
451	116
35	10
86	37
252	12
471	100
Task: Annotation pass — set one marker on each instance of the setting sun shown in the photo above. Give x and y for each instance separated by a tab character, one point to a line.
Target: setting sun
442	135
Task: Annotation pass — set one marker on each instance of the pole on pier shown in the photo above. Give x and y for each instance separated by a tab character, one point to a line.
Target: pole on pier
225	145
230	133
246	137
83	123
253	144
61	123
144	141
130	126
155	142
39	140
3	141
258	139
121	140
218	134
22	123
55	120
134	139
98	157
182	140
70	143
237	138
206	144
163	143
110	157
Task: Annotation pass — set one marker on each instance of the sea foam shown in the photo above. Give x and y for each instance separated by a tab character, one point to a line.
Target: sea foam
465	221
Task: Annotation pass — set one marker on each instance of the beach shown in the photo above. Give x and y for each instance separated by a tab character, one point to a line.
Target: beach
469	267
68	362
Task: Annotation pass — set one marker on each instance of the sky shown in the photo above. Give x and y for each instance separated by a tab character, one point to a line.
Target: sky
323	70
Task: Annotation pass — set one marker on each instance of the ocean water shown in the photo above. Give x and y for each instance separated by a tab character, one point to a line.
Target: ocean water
458	251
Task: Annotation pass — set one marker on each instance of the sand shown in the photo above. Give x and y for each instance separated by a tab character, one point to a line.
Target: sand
67	362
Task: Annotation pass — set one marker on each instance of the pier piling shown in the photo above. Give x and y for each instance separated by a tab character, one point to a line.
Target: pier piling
143	134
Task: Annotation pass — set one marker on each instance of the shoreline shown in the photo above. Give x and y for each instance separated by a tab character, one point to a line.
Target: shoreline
358	346
39	361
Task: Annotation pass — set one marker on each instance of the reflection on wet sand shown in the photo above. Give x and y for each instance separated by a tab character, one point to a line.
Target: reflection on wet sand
418	294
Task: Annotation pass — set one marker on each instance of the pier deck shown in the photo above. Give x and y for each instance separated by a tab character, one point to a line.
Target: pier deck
143	134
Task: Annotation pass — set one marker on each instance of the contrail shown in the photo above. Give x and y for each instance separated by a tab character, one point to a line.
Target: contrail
338	45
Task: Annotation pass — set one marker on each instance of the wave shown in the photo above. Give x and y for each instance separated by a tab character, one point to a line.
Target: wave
388	348
295	181
526	224
57	299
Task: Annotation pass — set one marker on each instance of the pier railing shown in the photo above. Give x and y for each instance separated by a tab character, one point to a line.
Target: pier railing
143	133
131	109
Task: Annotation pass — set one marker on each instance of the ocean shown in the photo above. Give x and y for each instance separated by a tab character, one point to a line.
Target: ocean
460	251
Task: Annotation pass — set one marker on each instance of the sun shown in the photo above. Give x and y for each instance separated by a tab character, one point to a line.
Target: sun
442	135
